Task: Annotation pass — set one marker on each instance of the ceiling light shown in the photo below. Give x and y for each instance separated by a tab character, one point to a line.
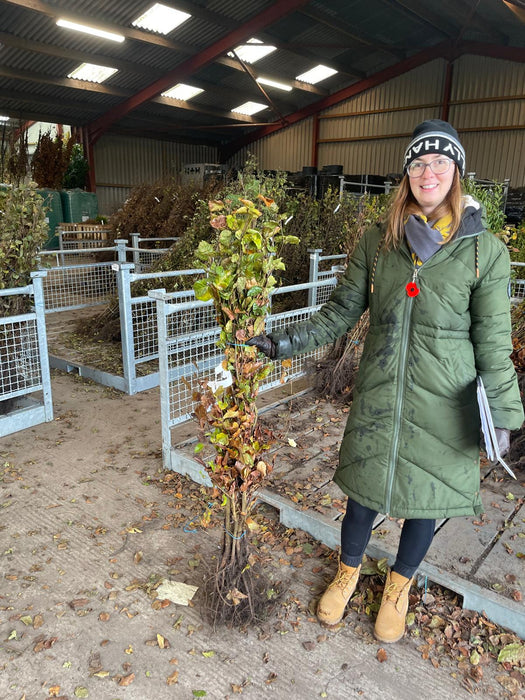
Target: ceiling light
315	75
92	73
252	51
182	92
4	119
161	19
249	108
275	84
90	30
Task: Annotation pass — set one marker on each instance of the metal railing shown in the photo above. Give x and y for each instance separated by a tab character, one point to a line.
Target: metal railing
517	283
138	324
75	286
320	295
143	257
188	352
72	287
25	385
86	244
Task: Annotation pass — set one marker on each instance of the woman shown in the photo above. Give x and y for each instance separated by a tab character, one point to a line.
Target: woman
436	283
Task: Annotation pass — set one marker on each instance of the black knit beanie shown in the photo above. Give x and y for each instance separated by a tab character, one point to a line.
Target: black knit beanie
435	136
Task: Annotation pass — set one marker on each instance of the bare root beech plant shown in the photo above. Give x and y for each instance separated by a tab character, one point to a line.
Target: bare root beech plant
239	264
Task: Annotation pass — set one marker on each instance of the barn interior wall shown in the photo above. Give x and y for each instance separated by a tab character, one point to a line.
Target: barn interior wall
368	133
122	162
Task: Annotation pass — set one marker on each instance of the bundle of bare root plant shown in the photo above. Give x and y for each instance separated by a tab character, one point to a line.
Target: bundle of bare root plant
239	265
335	374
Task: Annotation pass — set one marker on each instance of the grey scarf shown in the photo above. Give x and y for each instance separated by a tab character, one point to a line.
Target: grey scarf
422	238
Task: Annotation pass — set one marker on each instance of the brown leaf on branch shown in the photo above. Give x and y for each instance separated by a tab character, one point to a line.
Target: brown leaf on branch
235	596
219	222
267	201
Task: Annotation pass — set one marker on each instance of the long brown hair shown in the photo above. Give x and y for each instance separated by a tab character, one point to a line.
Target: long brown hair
405	204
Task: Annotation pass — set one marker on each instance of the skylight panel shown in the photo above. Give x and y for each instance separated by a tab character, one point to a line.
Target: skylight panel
249	108
315	75
92	73
182	92
252	51
94	31
161	19
275	84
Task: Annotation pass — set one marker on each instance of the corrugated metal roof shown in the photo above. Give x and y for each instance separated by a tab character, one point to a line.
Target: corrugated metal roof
359	37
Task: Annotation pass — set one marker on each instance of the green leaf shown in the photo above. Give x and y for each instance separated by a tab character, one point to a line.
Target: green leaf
475	658
202	290
205	250
208	654
81	692
512	654
220	438
198	447
233	223
199	693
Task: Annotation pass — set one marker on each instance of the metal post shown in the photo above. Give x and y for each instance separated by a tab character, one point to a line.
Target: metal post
162	335
123	271
388	186
38	298
506	183
61	246
313	275
121	249
135	245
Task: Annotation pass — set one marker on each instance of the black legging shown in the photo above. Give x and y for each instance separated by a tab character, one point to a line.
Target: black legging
416	537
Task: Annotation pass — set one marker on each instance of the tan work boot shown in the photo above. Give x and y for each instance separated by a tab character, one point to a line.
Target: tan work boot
333	602
390	622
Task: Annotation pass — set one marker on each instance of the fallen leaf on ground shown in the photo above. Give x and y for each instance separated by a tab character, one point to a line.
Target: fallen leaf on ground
127	680
381	655
44	644
174	678
162	642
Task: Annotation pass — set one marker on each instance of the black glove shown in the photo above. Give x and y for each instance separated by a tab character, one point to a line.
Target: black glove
265	344
503	438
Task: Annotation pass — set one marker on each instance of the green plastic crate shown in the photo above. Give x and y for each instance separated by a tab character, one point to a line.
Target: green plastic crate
54	215
78	205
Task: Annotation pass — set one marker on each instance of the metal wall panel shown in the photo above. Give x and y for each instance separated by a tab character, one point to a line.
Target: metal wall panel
493	151
419	86
288	149
122	162
370	153
497	150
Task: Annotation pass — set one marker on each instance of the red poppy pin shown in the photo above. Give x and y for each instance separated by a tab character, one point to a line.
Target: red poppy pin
412	289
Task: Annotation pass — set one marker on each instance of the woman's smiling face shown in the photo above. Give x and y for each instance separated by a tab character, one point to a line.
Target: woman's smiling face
431	189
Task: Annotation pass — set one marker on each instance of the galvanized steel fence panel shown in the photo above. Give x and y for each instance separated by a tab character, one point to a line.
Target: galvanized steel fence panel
24	364
143	258
517	283
185	358
78	286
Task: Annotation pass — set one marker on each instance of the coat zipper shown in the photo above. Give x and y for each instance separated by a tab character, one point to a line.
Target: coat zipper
407	315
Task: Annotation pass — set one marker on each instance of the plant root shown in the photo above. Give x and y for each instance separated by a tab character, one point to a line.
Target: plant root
238	594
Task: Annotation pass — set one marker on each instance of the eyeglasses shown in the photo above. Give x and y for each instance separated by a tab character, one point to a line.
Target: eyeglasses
438	167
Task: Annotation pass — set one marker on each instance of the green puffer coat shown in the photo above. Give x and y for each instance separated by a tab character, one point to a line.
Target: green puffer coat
412	440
